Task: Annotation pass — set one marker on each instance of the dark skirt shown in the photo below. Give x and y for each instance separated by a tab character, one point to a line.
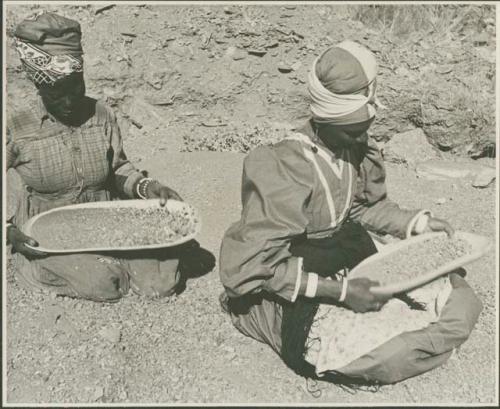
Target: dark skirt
344	250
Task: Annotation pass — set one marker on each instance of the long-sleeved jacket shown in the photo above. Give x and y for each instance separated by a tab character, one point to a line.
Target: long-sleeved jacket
297	187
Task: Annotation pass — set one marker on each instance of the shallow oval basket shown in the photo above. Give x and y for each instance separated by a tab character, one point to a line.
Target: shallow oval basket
172	206
480	245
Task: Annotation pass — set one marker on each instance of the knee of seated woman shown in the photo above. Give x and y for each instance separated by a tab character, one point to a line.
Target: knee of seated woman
110	288
155	285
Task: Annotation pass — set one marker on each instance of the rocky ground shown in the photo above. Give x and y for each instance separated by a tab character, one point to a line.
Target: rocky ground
194	88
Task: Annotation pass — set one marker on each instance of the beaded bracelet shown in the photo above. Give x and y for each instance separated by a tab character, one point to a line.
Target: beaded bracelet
143	183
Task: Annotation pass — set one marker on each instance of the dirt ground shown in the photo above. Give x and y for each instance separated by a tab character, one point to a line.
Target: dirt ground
192	97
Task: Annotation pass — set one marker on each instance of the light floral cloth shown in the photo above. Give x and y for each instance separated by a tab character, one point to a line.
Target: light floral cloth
339	336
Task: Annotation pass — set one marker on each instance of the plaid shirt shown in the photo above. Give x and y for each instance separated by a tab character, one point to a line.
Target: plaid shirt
53	159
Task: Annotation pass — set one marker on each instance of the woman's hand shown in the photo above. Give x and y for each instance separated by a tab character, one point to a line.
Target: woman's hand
434	225
156	189
19	240
359	298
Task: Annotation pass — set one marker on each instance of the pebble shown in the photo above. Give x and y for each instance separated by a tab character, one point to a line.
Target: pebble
295	66
98	393
178	50
239	55
484	178
111	334
442	170
441	201
233	52
257	52
284	68
481	39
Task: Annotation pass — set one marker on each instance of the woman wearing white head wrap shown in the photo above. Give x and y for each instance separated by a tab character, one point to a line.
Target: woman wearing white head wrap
306	204
342	85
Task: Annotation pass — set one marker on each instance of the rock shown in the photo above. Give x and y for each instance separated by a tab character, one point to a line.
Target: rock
484	178
104	8
486	54
257	52
178	50
444	69
239	54
284	67
111	334
142	114
295	66
229	352
445	169
409	148
441	201
154	79
444	145
403	72
230	51
98	393
272	44
481	39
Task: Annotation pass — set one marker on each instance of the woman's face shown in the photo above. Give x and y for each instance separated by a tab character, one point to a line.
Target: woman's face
63	98
344	135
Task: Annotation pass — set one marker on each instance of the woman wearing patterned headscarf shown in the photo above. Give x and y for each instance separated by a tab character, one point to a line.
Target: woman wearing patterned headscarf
308	202
69	150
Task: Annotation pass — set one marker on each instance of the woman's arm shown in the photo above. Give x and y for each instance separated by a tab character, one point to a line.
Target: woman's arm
255	252
375	211
126	176
15	237
355	293
128	180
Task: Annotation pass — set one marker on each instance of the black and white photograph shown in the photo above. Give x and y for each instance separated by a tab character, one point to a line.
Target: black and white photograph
250	203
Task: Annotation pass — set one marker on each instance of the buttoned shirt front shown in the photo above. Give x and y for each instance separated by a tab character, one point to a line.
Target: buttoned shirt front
57	160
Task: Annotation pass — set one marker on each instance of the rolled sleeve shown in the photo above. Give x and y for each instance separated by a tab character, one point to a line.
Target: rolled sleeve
286	279
255	252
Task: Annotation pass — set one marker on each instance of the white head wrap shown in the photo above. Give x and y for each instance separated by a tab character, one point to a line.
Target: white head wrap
327	106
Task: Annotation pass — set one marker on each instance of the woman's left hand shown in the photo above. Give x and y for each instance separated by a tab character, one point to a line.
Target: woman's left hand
435	224
156	189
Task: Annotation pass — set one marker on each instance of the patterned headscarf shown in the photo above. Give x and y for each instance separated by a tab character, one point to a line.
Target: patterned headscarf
49	46
342	85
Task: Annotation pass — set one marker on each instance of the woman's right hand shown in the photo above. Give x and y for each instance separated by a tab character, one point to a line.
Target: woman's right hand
359	298
19	240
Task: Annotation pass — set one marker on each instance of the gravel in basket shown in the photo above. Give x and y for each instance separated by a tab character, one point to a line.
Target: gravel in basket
417	258
113	227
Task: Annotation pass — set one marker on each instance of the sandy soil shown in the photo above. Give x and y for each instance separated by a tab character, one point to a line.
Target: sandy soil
185	350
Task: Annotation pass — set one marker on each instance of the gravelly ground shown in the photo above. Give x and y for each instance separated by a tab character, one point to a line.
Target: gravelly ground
185	350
